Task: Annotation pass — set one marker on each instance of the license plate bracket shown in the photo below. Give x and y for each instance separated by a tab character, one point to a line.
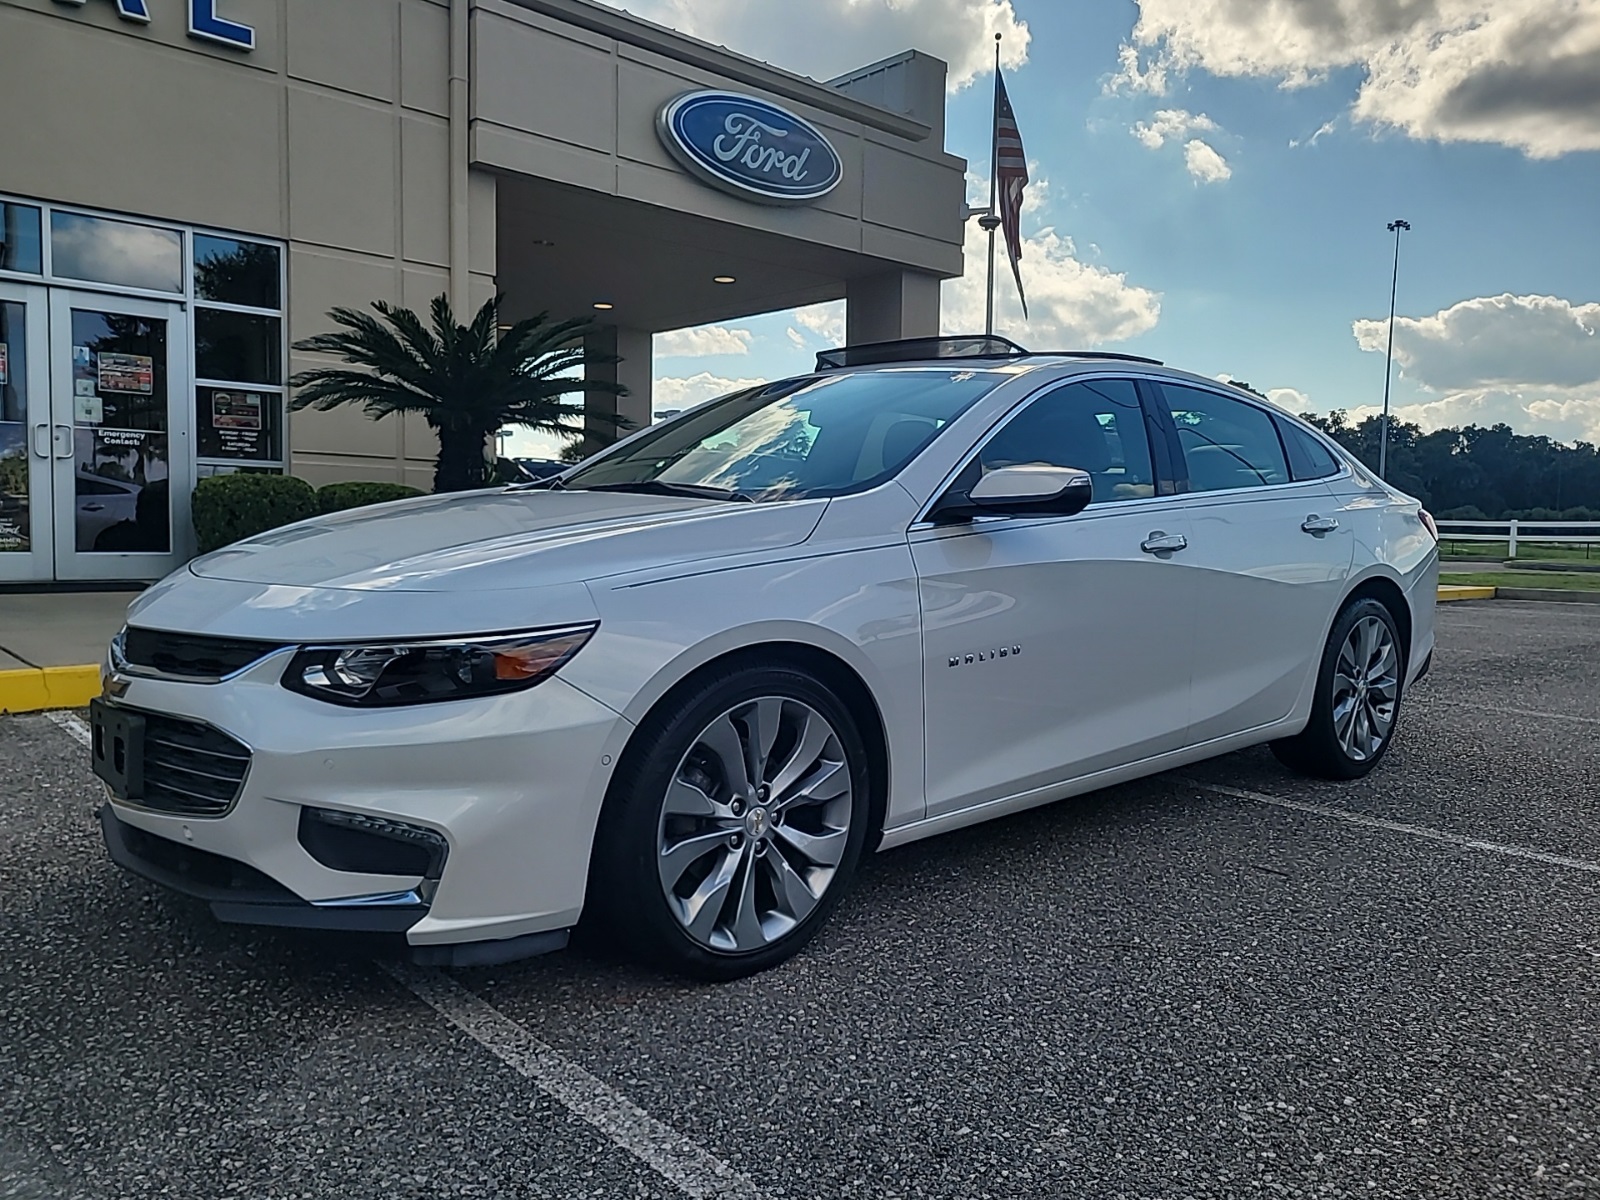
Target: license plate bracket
117	748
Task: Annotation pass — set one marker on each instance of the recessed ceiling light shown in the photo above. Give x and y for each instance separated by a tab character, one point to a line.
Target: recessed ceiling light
603	306
723	279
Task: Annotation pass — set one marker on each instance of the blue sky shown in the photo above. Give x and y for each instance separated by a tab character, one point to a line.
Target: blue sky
1244	232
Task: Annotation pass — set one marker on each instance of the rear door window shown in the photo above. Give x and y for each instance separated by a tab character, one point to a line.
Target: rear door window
1226	443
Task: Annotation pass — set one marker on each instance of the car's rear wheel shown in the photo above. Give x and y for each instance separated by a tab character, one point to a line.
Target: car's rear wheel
1357	705
734	824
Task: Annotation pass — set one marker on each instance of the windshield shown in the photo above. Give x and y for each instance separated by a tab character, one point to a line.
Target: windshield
819	435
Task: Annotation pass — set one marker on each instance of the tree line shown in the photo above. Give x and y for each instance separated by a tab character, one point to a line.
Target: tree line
1473	473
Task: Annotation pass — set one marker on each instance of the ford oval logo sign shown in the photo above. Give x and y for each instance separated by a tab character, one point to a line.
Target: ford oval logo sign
750	148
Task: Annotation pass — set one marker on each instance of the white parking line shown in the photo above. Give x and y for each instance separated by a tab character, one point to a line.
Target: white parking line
1517	712
1416	831
664	1150
76	729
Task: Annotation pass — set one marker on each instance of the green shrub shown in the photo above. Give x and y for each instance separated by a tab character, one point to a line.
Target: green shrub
336	497
228	508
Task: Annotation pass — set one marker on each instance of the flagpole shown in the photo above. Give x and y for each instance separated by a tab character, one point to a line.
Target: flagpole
991	220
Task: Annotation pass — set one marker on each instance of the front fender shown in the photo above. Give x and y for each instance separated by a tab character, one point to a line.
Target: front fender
653	635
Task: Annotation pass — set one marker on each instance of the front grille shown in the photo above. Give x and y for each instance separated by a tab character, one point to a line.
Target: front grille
191	769
190	656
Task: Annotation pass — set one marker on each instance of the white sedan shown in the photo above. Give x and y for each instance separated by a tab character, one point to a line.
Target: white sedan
681	690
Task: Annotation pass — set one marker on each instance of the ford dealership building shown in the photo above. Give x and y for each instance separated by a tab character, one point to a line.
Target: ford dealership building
190	185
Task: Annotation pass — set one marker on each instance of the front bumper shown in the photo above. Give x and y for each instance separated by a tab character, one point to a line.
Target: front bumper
511	785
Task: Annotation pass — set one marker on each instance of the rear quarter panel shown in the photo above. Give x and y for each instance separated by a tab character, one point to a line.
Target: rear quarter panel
1393	543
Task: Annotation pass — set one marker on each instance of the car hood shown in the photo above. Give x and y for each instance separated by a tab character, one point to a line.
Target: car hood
493	540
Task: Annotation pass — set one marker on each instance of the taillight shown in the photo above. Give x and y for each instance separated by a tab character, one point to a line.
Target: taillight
1428	523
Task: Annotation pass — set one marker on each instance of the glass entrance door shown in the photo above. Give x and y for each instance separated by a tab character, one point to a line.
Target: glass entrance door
119	435
26	547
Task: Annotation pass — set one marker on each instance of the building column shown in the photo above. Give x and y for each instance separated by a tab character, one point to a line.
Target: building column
634	372
894	305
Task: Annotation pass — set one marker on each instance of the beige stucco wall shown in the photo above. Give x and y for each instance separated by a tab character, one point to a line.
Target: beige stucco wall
554	100
331	136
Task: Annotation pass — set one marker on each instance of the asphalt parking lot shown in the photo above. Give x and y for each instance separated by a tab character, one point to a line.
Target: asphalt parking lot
1221	982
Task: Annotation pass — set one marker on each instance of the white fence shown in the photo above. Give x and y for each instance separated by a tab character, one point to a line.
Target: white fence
1575	533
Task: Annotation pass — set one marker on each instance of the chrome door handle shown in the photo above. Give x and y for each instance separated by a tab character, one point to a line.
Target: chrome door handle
66	441
1316	524
1164	543
41	444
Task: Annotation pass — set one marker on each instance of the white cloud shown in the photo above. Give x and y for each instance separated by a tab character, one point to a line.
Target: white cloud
1074	305
1495	341
1575	419
1323	131
1171	124
1290	399
703	341
1532	362
1519	73
825	38
825	322
1204	163
685	391
1131	76
796	338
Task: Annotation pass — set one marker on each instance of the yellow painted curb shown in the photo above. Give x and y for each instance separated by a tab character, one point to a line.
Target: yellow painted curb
1457	591
38	689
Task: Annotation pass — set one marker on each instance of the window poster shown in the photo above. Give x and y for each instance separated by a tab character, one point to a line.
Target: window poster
127	373
239	424
236	410
13	488
5	364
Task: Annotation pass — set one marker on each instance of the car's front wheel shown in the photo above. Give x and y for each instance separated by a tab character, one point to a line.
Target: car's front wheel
734	824
1357	703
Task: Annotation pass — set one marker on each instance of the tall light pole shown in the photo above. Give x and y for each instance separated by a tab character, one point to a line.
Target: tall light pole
1396	228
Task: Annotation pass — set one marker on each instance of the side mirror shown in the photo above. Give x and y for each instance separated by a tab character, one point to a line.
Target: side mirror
1034	490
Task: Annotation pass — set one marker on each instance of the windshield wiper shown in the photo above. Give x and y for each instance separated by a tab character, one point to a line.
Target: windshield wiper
660	487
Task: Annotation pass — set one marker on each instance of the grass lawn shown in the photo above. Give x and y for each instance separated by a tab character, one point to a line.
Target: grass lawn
1540	551
1585	581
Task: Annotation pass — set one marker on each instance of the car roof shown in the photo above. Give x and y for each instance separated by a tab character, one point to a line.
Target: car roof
1065	364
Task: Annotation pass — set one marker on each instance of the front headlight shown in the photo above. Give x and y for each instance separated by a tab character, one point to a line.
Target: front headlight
380	675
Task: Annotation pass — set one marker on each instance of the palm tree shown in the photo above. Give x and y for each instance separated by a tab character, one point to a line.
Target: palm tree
463	380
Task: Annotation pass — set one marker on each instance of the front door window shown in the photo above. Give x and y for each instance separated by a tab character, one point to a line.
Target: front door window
121	411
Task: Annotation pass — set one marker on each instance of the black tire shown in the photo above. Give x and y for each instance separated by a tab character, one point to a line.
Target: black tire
1319	751
628	902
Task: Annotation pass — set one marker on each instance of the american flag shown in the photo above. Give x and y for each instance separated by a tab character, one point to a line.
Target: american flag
1011	175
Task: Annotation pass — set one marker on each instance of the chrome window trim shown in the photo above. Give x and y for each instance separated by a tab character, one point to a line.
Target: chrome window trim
1274	489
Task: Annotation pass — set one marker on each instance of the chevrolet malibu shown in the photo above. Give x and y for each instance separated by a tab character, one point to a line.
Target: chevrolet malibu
682	688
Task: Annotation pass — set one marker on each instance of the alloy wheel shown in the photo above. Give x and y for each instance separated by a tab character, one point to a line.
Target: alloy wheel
1366	688
754	824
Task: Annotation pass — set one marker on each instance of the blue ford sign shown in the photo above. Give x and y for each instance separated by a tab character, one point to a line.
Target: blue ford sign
749	147
204	23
